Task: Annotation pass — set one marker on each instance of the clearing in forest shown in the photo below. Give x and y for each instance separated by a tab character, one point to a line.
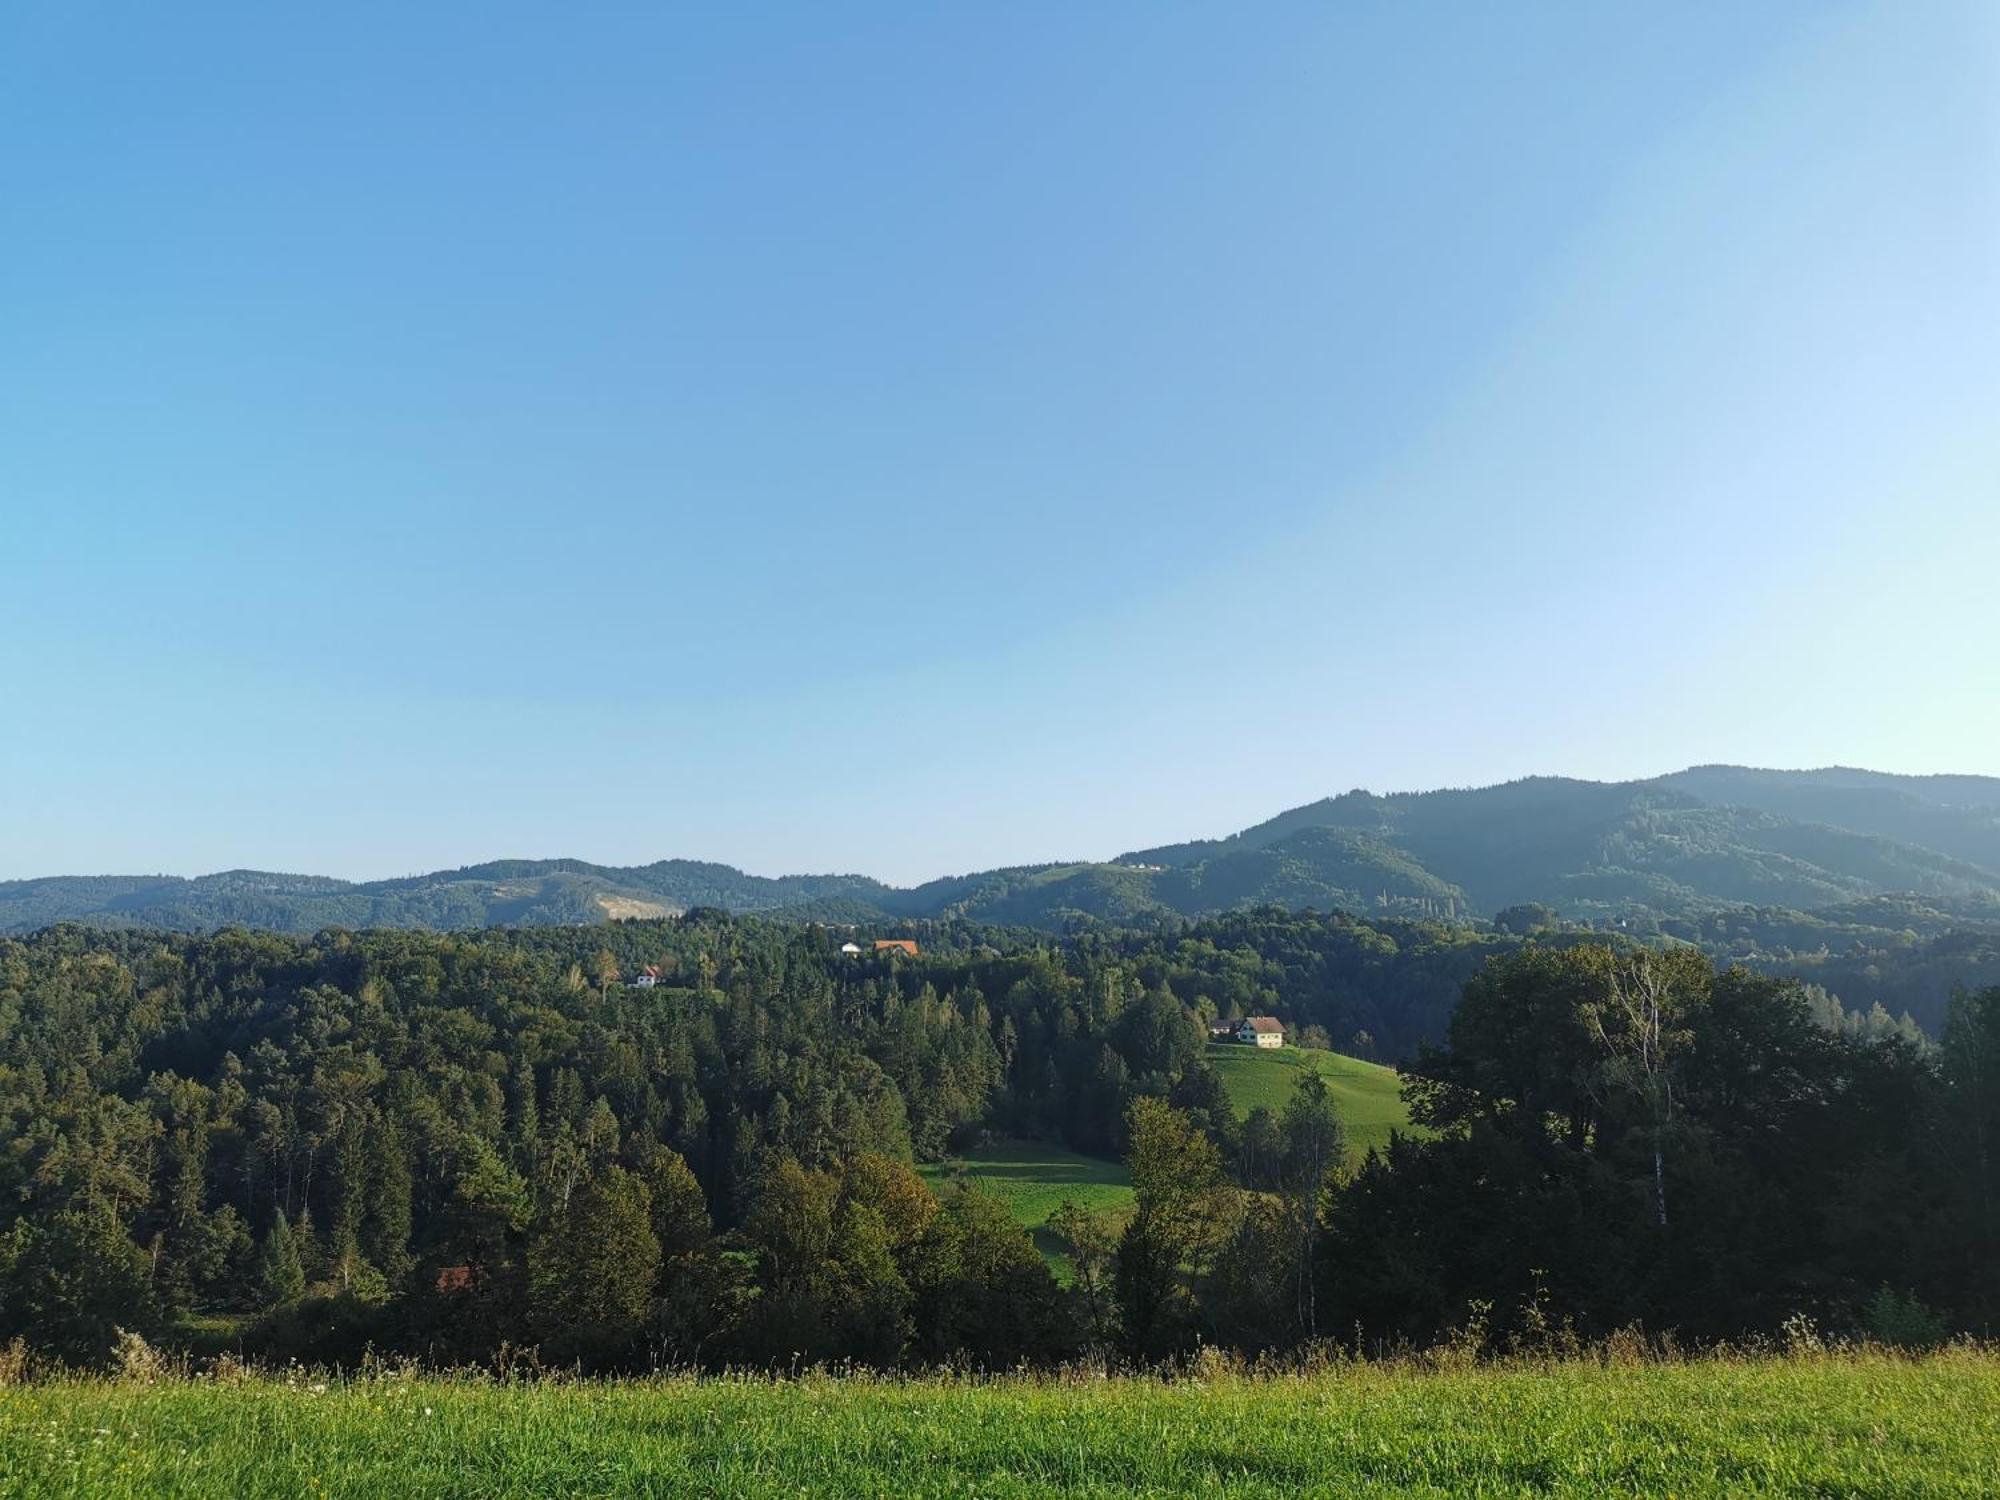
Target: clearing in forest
1367	1096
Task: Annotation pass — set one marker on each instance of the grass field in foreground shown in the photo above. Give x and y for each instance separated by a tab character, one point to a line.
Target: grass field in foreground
1367	1095
1826	1425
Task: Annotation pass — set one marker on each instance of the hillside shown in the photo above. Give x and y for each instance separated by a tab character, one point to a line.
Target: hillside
1034	1179
503	893
328	1128
1593	849
1954	815
1367	1096
1676	848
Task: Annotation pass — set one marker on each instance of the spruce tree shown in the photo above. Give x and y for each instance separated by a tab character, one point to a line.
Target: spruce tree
386	1231
281	1275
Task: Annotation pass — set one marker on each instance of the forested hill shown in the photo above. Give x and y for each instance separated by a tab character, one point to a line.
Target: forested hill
1698	839
504	893
1677	849
444	1146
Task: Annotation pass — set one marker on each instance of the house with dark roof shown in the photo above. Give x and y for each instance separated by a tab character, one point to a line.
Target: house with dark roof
1261	1031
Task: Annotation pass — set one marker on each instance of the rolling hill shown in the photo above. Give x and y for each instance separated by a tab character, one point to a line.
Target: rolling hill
1367	1096
1681	846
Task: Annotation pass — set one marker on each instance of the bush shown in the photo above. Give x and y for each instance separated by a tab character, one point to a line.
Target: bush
1899	1320
135	1360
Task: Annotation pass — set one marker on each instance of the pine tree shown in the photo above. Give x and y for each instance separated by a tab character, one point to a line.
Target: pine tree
186	1224
350	1201
280	1273
527	1116
312	1258
386	1230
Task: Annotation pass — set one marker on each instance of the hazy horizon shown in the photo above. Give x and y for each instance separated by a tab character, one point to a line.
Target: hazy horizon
1185	836
912	443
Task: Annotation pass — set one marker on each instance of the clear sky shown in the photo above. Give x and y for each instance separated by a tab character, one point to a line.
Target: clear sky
917	438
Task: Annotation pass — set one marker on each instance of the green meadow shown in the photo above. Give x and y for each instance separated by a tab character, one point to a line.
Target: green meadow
1367	1095
1033	1179
1826	1424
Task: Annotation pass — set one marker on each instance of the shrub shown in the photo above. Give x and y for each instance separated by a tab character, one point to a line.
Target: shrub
135	1360
1899	1320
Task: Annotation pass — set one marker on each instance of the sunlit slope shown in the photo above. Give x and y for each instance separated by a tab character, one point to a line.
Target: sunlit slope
1034	1179
1367	1095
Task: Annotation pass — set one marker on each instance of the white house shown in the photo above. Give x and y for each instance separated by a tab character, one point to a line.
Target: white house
1261	1031
647	977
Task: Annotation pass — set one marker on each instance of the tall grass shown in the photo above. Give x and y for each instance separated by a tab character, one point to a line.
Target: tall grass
1853	1421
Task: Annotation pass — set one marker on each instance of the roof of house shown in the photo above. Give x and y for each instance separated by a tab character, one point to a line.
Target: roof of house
1266	1025
903	945
454	1278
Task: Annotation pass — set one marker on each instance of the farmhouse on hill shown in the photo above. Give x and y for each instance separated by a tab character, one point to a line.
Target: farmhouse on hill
1261	1031
897	945
647	977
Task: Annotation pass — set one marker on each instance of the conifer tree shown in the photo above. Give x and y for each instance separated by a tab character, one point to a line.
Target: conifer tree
281	1274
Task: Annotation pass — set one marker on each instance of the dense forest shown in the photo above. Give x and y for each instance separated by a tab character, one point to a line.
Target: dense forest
459	1145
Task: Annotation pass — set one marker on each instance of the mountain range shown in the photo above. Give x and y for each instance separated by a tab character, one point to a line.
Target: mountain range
1672	848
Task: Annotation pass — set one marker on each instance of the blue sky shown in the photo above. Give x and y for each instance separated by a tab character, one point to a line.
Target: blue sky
920	438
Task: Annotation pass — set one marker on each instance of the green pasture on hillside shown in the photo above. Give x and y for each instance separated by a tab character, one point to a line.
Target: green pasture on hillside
1863	1424
1033	1179
1367	1095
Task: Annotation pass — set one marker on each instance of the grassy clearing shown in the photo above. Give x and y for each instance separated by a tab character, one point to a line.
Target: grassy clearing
1033	1179
1861	1424
1367	1095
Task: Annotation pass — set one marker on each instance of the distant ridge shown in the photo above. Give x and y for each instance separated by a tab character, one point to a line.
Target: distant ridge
1670	847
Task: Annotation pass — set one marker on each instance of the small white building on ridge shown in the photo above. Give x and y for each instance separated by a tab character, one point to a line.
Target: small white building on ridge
1261	1031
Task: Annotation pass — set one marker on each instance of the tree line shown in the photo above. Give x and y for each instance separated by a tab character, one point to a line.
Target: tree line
455	1145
